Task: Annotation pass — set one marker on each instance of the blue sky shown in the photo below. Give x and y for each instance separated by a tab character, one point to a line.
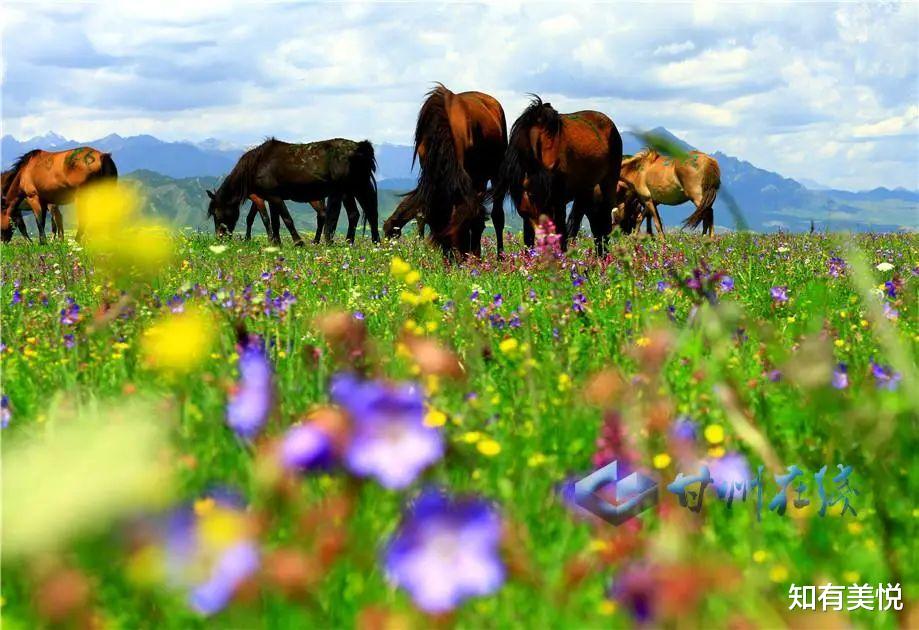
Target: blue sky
826	92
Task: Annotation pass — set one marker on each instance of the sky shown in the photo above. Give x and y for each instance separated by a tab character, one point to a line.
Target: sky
826	92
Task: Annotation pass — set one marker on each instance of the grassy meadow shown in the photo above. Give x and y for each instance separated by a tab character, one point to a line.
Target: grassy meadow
748	350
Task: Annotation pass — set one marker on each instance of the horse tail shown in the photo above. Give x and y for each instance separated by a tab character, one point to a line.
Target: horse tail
442	181
362	169
711	182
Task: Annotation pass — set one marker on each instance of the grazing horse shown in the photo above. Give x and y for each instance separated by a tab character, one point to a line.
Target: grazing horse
657	179
409	208
460	141
258	207
44	178
275	171
556	158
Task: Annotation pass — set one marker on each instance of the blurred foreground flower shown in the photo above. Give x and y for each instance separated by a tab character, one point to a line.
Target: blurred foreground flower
96	464
118	237
250	403
315	444
178	342
206	549
5	414
389	440
445	551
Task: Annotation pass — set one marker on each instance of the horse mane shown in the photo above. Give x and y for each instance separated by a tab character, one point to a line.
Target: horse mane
21	161
236	185
519	163
442	180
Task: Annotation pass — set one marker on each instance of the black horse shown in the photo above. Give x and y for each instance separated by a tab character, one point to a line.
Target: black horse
340	169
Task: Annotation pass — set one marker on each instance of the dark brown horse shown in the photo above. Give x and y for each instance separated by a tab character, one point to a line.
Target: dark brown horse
409	208
258	207
557	158
275	171
459	143
44	178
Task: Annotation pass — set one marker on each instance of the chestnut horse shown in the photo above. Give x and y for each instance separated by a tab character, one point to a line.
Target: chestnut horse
556	158
667	180
45	178
340	169
460	141
258	207
409	208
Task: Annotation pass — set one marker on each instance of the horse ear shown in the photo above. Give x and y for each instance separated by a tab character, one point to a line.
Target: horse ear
210	193
547	148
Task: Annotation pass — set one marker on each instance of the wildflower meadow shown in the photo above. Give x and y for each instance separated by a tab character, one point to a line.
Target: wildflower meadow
232	434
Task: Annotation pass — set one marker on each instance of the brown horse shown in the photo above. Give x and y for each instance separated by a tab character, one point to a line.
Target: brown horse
657	179
409	208
556	158
460	141
258	207
275	171
44	178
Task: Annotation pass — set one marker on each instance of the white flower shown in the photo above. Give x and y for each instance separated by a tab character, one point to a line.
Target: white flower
270	250
782	249
218	249
884	266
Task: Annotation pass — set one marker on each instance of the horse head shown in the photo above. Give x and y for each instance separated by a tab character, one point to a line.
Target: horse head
225	213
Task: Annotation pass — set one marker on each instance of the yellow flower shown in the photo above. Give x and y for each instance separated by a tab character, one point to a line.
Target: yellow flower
427	295
178	343
409	298
607	607
488	447
642	342
839	343
759	556
716	451
778	573
564	382
435	418
471	437
536	459
412	277
430	326
851	577
509	345
398	267
714	433
661	460
855	528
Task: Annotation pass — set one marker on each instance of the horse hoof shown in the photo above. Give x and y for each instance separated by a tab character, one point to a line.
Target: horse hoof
299	244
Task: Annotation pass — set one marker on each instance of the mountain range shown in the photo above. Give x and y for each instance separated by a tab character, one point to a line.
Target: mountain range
175	175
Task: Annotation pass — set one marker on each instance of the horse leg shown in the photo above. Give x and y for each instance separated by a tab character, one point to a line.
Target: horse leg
652	208
497	220
419	221
367	196
354	216
274	234
288	221
319	207
21	224
529	234
39	209
558	217
331	217
258	208
573	226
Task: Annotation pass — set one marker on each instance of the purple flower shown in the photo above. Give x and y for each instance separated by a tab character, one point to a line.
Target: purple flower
841	376
884	376
636	588
779	294
306	447
498	300
358	315
250	405
17	296
662	286
684	430
70	314
390	441
69	341
729	472
836	266
6	413
445	551
232	568
579	303
727	283
774	375
890	312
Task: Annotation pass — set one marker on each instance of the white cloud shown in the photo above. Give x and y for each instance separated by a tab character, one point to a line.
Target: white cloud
794	88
